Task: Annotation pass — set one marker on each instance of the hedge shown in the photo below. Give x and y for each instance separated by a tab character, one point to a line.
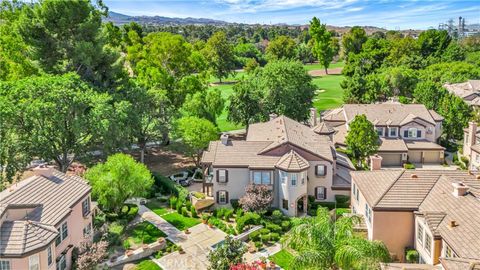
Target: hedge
167	186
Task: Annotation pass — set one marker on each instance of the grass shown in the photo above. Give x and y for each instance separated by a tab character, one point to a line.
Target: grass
157	207
282	258
144	233
147	265
180	222
316	66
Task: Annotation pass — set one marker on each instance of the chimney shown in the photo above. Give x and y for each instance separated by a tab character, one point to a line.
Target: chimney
452	224
459	189
272	116
472	132
375	162
224	139
313	117
44	171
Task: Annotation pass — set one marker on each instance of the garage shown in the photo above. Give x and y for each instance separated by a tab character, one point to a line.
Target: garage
431	157
415	156
391	159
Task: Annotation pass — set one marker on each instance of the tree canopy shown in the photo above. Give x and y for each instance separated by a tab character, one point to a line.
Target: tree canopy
361	139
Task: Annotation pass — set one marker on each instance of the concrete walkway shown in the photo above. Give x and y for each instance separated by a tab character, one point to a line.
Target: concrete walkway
173	234
265	253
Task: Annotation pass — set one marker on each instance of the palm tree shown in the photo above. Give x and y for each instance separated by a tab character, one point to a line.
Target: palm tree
325	244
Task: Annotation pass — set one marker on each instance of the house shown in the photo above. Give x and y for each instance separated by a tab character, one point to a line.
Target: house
42	219
408	132
295	160
471	145
434	212
469	91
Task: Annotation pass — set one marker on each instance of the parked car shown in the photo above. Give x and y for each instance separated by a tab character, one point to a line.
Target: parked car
185	183
181	176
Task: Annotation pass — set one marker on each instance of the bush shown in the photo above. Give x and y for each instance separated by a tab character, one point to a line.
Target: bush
179	206
193	212
274	237
409	166
184	211
239	212
264	231
115	230
254	236
412	256
188	204
168	187
219	212
173	202
341	211
248	218
274	228
199	195
258	244
285	225
228	214
277	216
159	254
132	211
341	199
329	205
265	237
234	203
205	217
126	244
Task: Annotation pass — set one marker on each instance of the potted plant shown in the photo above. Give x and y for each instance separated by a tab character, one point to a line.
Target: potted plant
129	253
180	250
161	240
145	246
263	263
204	218
187	231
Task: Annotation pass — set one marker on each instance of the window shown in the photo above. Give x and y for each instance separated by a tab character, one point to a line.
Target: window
293	178
380	131
449	252
303	178
86	207
4	265
412	133
477	157
61	263
321	193
420	234
428	243
87	230
261	178
285	204
354	188
320	170
49	255
222	176
63	233
222	197
368	213
357	196
283	177
392	132
33	263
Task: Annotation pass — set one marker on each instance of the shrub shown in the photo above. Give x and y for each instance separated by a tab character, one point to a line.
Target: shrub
234	203
254	236
412	256
168	187
285	225
205	216
184	211
228	214
341	211
409	166
179	206
342	198
199	195
265	237
275	236
193	212
126	244
264	231
159	254
239	212
132	211
219	212
248	218
274	227
173	202
277	216
258	244
188	204
329	205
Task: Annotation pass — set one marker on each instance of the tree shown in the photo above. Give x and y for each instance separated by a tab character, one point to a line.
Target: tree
353	40
61	117
196	133
257	198
66	36
454	52
247	51
398	81
452	72
207	104
304	53
245	102
433	42
456	115
220	55
287	89
251	65
91	255
361	139
281	47
117	180
229	253
324	47
429	94
325	244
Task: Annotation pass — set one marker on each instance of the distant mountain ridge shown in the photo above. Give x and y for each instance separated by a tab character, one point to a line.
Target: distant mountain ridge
118	18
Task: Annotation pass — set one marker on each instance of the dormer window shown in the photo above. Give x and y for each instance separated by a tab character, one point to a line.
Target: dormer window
380	131
413	133
392	132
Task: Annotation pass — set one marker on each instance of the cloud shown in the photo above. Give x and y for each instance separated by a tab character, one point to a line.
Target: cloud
276	5
354	9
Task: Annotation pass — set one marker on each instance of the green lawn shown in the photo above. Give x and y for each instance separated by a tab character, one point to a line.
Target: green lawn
181	222
157	207
282	258
315	66
147	265
144	233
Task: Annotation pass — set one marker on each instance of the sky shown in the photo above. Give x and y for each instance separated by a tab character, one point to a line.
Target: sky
390	14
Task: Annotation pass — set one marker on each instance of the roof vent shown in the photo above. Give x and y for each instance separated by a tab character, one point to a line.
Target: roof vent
44	171
459	189
414	176
452	224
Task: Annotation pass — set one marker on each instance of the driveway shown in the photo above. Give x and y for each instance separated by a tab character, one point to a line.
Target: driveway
196	245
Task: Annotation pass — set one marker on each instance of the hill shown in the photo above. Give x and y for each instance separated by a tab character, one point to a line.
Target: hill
120	19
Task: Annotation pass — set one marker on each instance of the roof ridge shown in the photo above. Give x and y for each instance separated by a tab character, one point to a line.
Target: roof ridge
389	187
431	187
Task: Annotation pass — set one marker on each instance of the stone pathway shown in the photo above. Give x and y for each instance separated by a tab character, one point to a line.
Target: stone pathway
265	253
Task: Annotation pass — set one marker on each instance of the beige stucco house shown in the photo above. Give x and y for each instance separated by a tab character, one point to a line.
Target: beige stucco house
408	132
295	160
42	219
469	91
471	145
435	212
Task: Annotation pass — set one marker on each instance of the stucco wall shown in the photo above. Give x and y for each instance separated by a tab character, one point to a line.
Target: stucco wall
238	179
325	181
429	137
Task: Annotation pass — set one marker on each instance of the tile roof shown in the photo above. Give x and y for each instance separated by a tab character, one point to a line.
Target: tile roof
464	210
408	266
374	184
464	89
383	114
460	264
292	161
47	201
423	145
323	129
392	145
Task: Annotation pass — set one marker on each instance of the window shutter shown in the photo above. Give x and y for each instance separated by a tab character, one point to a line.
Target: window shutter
316	170
226	176
324	193
405	133
218	176
316	193
218	197
226	197
324	170
419	133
